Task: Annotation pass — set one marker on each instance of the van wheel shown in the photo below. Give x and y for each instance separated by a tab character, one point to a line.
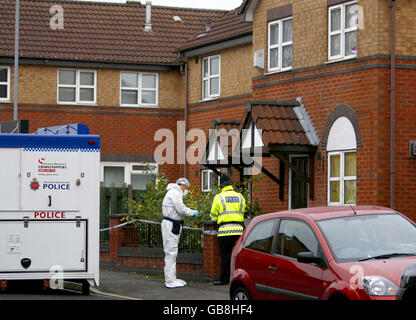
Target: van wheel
241	293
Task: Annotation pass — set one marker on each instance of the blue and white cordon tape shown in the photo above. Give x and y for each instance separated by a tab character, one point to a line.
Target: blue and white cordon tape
147	221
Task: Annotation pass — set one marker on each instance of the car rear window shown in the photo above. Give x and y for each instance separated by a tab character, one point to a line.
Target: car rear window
261	237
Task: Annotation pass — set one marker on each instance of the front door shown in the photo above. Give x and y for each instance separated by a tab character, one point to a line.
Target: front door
299	187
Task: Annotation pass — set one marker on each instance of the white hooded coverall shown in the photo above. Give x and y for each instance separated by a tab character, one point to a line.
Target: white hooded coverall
173	208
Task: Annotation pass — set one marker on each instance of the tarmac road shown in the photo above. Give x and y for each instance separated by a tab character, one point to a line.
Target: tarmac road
121	286
151	288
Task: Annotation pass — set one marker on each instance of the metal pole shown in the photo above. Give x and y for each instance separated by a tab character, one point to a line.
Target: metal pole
16	59
393	104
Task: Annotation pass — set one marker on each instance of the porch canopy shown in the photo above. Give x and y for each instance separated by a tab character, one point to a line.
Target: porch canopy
275	129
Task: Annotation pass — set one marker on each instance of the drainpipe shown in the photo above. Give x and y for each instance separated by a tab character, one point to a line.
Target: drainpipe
393	102
185	168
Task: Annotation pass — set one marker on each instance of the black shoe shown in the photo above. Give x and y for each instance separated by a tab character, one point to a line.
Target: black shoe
220	283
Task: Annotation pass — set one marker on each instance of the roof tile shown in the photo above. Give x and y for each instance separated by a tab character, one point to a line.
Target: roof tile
100	32
279	124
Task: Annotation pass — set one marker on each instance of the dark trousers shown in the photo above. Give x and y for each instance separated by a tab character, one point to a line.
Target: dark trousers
226	247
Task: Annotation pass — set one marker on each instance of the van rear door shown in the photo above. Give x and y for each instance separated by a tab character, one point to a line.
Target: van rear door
45	243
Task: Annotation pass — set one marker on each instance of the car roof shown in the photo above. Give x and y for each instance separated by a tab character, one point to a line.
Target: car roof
330	212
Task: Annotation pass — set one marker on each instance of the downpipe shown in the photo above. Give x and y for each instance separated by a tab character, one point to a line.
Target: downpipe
392	102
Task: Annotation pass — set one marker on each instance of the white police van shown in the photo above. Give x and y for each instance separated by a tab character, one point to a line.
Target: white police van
49	208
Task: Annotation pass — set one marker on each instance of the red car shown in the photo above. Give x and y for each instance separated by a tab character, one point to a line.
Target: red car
357	253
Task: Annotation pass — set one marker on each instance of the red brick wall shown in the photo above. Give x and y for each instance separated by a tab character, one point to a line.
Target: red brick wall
365	87
122	130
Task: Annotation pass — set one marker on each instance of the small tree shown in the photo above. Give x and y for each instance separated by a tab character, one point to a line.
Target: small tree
148	205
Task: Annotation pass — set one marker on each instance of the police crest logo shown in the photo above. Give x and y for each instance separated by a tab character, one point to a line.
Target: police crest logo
34	185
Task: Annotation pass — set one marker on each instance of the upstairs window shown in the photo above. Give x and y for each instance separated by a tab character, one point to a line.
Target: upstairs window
4	83
280	45
343	26
139	89
211	79
77	86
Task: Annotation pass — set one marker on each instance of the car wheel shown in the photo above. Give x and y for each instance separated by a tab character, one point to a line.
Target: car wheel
241	293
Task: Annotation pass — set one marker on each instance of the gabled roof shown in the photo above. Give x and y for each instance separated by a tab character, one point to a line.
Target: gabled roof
100	32
281	123
225	28
222	128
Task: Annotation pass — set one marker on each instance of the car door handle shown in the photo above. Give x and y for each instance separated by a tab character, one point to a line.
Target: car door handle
272	268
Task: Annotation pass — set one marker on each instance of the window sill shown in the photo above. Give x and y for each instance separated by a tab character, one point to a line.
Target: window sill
278	71
210	99
6	101
139	106
81	104
341	59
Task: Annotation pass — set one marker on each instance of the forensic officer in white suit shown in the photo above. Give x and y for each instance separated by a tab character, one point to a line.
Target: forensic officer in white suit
174	211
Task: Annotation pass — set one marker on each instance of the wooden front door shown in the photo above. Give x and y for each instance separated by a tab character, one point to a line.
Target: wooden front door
299	187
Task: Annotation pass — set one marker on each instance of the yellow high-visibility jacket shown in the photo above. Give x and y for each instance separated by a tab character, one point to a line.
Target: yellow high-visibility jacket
228	210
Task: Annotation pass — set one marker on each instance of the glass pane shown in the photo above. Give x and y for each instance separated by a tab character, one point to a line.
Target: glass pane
205	181
129	97
350	190
149	97
287	30
3	91
66	95
335	165
213	179
67	77
149	81
274	34
86	94
350	43
139	181
351	16
351	164
274	58
335	191
287	56
113	175
86	78
295	237
129	80
261	237
3	75
205	71
336	45
336	19
215	66
205	89
214	86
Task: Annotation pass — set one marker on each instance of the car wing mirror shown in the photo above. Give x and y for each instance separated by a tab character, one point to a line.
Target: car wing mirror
308	257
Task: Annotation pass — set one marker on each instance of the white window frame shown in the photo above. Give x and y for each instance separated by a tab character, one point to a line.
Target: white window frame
279	45
210	187
140	89
7	83
128	169
77	87
211	96
342	178
340	32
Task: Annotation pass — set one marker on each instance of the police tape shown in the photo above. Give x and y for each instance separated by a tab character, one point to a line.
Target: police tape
150	222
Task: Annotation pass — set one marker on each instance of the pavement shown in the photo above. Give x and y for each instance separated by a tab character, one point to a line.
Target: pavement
133	286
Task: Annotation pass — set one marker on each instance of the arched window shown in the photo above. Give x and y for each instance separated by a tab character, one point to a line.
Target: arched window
342	163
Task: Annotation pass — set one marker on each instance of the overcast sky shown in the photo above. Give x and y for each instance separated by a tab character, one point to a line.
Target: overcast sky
208	4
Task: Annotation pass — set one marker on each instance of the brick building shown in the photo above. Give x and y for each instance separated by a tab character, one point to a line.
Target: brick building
331	58
110	66
313	75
